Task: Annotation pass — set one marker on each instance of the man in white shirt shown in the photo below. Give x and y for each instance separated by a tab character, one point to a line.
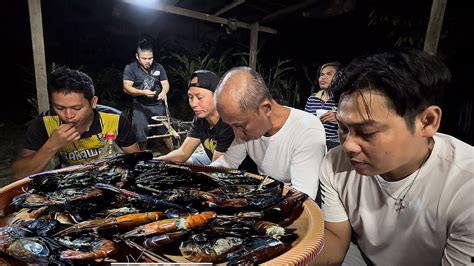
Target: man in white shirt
403	189
285	143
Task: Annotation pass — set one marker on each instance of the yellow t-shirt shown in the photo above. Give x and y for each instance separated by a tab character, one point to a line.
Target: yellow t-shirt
84	149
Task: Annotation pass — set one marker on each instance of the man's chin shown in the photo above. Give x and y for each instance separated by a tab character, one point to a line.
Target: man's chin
366	172
247	138
201	114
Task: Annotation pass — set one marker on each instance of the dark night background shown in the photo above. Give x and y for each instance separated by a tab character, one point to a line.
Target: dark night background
99	37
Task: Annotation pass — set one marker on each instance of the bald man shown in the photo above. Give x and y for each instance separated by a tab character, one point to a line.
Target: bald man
285	143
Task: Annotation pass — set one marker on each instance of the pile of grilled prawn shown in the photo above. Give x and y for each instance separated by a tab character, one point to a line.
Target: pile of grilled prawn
88	214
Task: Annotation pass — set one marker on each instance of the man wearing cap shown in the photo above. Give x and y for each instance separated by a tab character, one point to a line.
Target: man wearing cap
207	128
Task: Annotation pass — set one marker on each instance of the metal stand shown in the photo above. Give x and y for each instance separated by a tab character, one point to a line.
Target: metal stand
166	122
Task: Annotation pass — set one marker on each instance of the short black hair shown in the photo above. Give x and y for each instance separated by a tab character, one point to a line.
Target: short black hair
144	45
410	79
67	80
335	64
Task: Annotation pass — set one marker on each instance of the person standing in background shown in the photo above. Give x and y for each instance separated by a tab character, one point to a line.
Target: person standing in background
322	104
146	80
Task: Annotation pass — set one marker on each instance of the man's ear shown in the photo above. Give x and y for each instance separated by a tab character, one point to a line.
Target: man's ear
430	120
265	107
94	101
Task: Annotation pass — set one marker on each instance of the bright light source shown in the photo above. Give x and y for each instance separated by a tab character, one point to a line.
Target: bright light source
144	3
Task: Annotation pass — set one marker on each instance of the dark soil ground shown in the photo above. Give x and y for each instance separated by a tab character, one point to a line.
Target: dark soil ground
11	138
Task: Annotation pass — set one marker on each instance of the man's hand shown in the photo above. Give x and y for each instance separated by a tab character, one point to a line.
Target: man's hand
162	96
31	161
63	135
328	117
149	93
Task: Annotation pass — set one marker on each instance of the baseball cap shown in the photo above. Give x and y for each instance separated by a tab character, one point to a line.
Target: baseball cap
205	79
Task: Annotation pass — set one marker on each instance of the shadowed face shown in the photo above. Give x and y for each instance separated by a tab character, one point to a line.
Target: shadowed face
380	145
73	108
247	125
145	59
201	100
325	77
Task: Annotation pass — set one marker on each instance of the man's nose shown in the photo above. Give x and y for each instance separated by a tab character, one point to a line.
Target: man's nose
193	102
69	113
349	144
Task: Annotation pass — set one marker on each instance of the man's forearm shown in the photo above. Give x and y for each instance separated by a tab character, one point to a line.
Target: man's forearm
133	91
175	156
33	163
165	90
165	87
333	252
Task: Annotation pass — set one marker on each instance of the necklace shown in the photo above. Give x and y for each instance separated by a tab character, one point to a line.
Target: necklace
401	197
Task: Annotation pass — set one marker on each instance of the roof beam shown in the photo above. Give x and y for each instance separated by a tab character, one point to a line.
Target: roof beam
229	7
288	10
198	15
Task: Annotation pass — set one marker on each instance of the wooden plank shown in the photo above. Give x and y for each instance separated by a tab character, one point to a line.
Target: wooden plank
229	7
434	26
37	39
198	15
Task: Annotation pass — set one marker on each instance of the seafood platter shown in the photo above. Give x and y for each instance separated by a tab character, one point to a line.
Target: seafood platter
132	208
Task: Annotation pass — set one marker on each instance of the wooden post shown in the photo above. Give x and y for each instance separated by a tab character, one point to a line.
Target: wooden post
434	26
36	25
253	45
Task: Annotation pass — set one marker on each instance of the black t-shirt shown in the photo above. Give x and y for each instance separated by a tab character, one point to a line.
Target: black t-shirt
142	79
213	139
37	134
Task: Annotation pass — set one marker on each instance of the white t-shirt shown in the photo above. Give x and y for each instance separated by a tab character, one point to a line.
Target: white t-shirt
292	155
437	225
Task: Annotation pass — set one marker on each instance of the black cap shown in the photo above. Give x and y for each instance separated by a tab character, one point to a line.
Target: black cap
205	79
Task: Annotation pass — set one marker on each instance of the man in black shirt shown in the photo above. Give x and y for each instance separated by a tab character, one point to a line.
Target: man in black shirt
74	128
207	128
147	82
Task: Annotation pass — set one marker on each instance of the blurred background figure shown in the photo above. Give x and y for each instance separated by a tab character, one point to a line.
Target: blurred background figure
322	104
146	80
